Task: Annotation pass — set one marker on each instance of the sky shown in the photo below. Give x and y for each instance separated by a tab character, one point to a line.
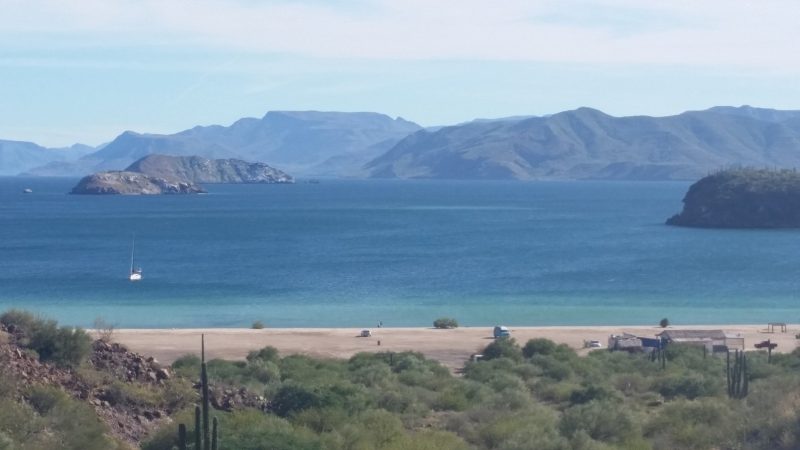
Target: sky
86	70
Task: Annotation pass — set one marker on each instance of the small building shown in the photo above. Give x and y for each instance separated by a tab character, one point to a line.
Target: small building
632	343
714	340
625	342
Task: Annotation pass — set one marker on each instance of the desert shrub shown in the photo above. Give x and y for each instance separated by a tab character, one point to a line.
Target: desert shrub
44	398
689	385
131	394
72	424
663	323
293	397
460	396
428	440
553	368
104	329
377	429
64	346
258	325
694	424
538	346
264	354
241	430
252	430
445	322
525	430
503	348
602	420
591	392
16	319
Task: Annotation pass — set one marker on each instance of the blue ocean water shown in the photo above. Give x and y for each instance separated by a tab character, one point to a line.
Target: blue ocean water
352	253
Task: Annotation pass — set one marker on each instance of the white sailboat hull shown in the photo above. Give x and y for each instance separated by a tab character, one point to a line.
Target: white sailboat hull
135	277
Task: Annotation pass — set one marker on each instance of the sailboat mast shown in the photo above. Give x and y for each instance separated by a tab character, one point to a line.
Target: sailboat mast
133	246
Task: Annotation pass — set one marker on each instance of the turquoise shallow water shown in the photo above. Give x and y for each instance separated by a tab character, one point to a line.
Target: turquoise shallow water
351	253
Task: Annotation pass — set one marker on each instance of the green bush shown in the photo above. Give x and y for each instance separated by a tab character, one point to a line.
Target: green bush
265	354
63	346
503	348
44	398
445	322
258	325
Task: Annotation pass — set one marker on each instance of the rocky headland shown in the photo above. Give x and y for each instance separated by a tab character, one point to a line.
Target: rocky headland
162	174
742	198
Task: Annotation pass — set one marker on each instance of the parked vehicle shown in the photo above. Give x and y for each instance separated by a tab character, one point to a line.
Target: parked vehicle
366	333
501	332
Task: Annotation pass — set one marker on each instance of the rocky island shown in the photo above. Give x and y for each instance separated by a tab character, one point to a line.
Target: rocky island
162	174
196	169
132	183
742	198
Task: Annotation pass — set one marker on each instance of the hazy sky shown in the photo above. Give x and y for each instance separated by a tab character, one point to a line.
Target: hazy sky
85	70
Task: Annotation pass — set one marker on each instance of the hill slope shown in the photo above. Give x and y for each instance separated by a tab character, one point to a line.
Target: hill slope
742	198
588	144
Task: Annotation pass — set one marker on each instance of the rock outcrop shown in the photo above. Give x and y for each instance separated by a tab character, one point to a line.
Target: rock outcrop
197	169
743	198
133	183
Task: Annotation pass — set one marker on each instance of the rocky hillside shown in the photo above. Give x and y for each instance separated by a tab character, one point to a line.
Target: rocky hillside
132	183
196	169
743	198
589	144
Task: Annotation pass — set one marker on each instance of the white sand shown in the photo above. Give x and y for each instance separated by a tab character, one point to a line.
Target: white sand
451	347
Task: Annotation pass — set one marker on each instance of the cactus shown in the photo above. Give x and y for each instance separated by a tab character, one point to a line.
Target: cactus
204	383
204	437
181	437
198	439
659	355
738	383
214	435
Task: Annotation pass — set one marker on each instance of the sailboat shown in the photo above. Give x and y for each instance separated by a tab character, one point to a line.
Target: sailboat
136	272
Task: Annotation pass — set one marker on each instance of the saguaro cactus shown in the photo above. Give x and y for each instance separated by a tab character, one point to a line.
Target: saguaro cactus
181	437
204	437
738	382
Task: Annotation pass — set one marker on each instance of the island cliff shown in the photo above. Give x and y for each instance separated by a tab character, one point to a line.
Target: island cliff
132	183
202	170
742	198
161	174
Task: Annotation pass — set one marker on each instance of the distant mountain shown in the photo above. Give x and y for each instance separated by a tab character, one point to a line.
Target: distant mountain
769	115
589	144
306	142
196	169
17	156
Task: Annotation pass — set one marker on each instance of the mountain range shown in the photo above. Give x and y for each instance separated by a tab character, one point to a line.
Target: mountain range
580	144
302	142
589	144
18	156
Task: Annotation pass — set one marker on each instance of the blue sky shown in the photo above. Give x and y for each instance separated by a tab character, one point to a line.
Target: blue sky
84	71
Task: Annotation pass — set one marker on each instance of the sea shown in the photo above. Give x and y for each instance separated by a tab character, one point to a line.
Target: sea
354	253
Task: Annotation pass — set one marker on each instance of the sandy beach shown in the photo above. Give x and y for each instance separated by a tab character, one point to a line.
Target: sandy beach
451	347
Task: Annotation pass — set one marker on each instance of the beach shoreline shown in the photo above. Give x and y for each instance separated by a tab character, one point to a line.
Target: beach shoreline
451	347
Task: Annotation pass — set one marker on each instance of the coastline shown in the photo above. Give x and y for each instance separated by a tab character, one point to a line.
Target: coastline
451	347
